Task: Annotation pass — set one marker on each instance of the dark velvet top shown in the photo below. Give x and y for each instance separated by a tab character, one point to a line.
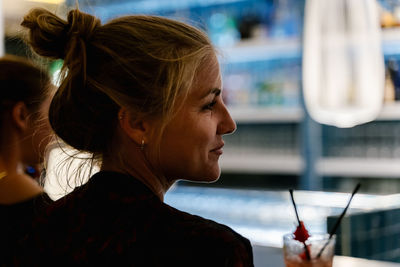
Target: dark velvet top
115	220
16	222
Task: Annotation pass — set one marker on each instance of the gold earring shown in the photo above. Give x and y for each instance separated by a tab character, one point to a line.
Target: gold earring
121	115
142	145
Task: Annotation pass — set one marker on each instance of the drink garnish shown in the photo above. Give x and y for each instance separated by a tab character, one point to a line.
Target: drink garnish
301	233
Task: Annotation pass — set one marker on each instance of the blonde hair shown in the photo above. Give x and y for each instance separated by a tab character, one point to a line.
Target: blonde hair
142	63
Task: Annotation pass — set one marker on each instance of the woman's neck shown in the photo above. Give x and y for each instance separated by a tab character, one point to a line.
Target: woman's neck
139	167
142	173
16	186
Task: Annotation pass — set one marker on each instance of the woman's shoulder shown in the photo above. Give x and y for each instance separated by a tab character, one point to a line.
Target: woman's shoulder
204	236
202	225
17	221
27	209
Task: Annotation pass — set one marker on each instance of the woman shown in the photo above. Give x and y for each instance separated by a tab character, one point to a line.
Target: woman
143	95
25	132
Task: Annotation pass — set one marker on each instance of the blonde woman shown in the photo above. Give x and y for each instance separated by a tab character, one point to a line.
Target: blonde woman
143	95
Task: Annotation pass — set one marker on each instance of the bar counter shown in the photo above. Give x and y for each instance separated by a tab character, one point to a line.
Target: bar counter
265	216
273	257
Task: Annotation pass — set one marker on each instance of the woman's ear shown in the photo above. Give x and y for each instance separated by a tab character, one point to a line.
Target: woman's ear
19	116
138	129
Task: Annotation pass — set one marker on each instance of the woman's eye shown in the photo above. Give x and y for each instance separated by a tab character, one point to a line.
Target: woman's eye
210	105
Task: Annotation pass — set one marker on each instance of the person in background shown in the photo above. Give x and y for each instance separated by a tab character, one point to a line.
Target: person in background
25	91
142	94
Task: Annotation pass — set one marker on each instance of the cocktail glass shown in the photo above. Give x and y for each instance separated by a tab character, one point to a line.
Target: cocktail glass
295	256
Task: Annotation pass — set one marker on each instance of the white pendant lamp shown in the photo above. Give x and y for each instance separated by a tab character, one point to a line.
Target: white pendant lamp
343	64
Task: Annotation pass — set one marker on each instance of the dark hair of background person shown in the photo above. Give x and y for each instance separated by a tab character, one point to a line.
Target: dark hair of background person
22	80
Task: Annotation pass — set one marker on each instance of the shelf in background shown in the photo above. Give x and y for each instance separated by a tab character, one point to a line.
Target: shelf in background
108	9
390	111
259	163
266	114
280	49
359	167
391	42
262	50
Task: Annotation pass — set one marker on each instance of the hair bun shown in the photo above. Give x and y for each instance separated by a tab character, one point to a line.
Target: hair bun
81	25
54	37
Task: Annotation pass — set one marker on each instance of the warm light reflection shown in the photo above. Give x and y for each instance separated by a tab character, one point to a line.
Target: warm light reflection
62	169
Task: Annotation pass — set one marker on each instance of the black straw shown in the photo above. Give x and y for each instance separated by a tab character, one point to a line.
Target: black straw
298	220
294	205
338	221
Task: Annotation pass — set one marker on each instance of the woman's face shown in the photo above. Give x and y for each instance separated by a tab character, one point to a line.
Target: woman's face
192	142
37	136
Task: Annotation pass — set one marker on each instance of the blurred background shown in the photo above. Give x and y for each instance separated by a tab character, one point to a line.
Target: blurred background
277	144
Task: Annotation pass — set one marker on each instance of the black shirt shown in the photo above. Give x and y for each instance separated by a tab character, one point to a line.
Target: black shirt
115	220
16	223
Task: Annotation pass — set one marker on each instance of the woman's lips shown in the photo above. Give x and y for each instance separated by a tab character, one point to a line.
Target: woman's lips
218	150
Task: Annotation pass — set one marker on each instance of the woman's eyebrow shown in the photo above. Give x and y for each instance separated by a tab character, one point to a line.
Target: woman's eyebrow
215	91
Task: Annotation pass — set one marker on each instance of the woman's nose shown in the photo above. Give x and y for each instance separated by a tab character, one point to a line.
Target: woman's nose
227	125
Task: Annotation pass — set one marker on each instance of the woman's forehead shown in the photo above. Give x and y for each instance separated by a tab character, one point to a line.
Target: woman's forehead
207	80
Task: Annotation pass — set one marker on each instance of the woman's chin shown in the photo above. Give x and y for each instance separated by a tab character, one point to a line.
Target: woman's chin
210	178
